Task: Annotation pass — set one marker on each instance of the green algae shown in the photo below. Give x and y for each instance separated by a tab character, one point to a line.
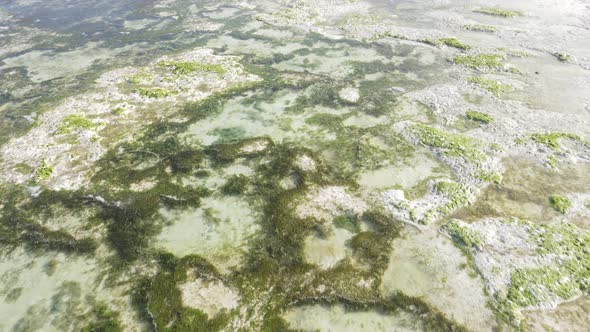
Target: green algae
135	219
371	246
450	42
133	215
562	243
463	235
488	176
103	319
228	135
185	67
515	52
346	222
156	92
118	111
529	287
226	153
431	318
499	12
479	116
162	299
458	195
480	61
13	295
38	236
560	203
139	78
454	145
17	226
553	140
43	172
355	149
74	122
321	93
235	185
454	42
480	27
552	162
493	86
329	121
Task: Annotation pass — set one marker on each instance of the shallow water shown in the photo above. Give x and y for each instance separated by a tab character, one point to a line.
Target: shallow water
260	165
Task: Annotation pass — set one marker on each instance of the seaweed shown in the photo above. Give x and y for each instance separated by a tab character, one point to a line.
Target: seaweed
74	122
235	185
480	27
103	320
553	140
43	172
455	145
493	86
186	67
349	223
560	203
162	300
463	235
499	12
155	92
249	147
479	116
480	61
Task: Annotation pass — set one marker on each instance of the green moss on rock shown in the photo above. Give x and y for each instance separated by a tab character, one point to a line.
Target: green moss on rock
455	145
480	27
140	77
553	140
488	176
186	67
531	286
560	203
74	122
155	92
494	11
480	61
463	235
43	172
457	195
454	42
479	116
495	87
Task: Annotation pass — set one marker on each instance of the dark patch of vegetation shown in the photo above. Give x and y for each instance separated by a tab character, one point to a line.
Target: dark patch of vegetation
374	246
17	227
463	235
235	185
186	67
479	116
103	320
320	94
351	224
228	135
162	301
325	120
250	147
431	318
560	203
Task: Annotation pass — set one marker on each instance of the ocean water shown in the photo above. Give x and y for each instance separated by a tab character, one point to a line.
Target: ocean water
289	165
